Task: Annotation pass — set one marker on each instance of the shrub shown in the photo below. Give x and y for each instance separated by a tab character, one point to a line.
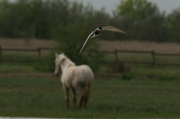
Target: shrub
127	76
70	39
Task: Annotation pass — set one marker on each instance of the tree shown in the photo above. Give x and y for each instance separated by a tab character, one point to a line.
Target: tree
173	25
141	20
18	19
71	40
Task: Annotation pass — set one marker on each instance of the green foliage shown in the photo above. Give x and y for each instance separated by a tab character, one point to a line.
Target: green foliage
127	76
173	25
36	18
71	39
19	19
141	19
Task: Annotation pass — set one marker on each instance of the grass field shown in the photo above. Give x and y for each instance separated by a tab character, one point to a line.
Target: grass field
146	91
110	98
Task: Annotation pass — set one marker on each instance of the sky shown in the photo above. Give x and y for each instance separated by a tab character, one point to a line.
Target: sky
164	5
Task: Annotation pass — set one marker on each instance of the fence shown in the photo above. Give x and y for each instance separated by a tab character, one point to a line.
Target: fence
38	51
152	53
115	53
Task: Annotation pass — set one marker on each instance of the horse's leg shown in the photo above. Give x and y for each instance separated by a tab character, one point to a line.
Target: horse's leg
85	101
74	97
81	101
66	90
86	95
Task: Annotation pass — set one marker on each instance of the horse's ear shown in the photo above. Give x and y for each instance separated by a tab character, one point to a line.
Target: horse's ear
56	54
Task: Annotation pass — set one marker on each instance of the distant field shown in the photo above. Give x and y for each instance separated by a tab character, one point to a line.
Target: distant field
110	98
105	45
26	44
171	48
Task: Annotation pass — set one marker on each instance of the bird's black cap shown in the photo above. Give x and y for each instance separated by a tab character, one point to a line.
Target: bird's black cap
100	28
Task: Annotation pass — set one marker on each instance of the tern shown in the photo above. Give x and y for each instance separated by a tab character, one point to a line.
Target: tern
98	31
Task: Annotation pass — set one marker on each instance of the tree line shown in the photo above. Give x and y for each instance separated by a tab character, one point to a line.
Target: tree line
47	19
70	23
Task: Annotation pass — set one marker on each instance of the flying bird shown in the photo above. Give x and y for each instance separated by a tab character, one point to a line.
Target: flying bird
98	32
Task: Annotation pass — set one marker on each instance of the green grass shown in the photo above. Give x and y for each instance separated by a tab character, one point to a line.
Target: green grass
26	62
156	72
20	56
16	68
110	98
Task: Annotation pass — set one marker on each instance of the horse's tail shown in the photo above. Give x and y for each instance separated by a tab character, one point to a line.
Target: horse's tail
87	86
86	89
86	93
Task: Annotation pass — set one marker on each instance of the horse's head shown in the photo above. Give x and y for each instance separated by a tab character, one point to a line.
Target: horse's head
59	59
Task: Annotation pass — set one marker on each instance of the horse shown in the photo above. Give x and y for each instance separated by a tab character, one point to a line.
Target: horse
76	78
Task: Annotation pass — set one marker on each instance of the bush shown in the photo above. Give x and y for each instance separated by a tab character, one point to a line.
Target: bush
71	38
127	76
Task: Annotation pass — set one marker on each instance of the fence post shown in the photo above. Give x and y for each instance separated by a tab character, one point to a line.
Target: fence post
154	59
116	55
0	54
39	51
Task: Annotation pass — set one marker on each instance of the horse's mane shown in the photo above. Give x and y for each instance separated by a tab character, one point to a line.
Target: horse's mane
67	62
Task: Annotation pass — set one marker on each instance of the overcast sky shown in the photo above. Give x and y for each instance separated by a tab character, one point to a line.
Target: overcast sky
164	5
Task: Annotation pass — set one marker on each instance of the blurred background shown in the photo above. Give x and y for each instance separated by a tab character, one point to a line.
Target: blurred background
140	70
32	31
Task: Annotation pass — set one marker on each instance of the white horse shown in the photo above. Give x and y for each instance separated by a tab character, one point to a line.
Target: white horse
77	78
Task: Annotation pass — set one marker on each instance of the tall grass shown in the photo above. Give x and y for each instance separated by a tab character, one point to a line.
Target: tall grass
110	98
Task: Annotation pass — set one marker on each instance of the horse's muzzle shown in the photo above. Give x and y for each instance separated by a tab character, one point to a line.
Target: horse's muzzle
56	73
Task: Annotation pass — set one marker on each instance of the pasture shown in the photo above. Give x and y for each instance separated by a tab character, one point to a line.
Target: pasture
109	98
145	91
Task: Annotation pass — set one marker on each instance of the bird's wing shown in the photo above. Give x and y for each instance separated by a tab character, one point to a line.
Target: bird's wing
86	41
110	28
